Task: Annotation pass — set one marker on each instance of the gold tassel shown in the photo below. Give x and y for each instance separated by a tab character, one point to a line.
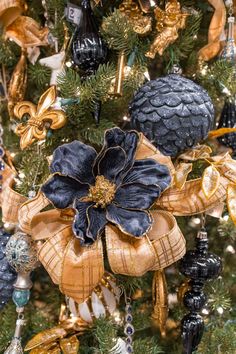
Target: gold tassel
18	82
160	301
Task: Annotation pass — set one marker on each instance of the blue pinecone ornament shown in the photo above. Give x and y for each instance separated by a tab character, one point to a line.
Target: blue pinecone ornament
7	274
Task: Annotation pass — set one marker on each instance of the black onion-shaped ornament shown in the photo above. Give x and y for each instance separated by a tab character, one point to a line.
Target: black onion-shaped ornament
88	48
198	265
228	120
7	274
173	112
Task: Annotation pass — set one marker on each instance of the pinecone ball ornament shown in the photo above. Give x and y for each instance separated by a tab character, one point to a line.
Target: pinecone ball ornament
7	274
173	112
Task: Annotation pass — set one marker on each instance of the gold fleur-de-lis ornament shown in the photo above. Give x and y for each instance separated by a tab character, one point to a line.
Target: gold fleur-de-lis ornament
41	118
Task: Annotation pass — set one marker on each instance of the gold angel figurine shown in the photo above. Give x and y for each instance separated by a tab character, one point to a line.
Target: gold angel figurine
168	24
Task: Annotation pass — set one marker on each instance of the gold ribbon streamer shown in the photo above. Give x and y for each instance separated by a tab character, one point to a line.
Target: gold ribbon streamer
216	28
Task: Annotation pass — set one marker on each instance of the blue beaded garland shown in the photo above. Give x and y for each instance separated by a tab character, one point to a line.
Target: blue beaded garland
2	166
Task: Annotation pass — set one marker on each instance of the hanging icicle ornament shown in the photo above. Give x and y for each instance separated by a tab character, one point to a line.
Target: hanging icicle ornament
229	51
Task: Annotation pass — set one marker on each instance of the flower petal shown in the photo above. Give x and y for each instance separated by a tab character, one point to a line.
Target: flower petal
75	160
96	222
137	196
132	222
80	223
62	191
112	162
148	172
126	140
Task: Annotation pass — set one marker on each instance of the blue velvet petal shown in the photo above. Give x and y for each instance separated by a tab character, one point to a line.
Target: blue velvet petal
80	223
133	222
126	140
112	162
147	172
96	222
75	160
62	191
137	196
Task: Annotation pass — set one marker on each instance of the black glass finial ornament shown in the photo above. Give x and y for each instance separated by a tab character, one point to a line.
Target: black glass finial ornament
228	120
198	265
88	48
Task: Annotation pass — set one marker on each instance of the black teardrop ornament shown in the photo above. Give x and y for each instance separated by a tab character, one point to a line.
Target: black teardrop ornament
88	47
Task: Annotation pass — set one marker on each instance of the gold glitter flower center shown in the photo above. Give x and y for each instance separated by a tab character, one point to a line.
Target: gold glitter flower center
103	192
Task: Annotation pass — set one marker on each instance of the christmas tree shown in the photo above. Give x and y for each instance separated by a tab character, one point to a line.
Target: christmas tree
117	176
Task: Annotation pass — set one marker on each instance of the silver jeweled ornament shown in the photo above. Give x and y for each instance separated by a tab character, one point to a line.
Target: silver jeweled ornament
21	253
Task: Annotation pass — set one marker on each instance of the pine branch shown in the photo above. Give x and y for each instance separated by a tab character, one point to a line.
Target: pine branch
118	33
39	76
106	334
147	346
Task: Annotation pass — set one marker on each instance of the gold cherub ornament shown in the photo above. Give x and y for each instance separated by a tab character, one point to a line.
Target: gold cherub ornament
141	24
168	24
41	118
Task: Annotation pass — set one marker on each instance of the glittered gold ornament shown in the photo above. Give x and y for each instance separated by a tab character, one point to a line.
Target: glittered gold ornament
141	24
40	119
10	10
18	83
26	32
169	22
160	301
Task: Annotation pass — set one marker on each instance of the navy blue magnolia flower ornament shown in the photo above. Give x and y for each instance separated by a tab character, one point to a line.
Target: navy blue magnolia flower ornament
107	187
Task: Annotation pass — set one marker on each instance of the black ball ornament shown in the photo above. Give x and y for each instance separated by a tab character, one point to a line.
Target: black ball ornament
173	112
7	274
88	48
